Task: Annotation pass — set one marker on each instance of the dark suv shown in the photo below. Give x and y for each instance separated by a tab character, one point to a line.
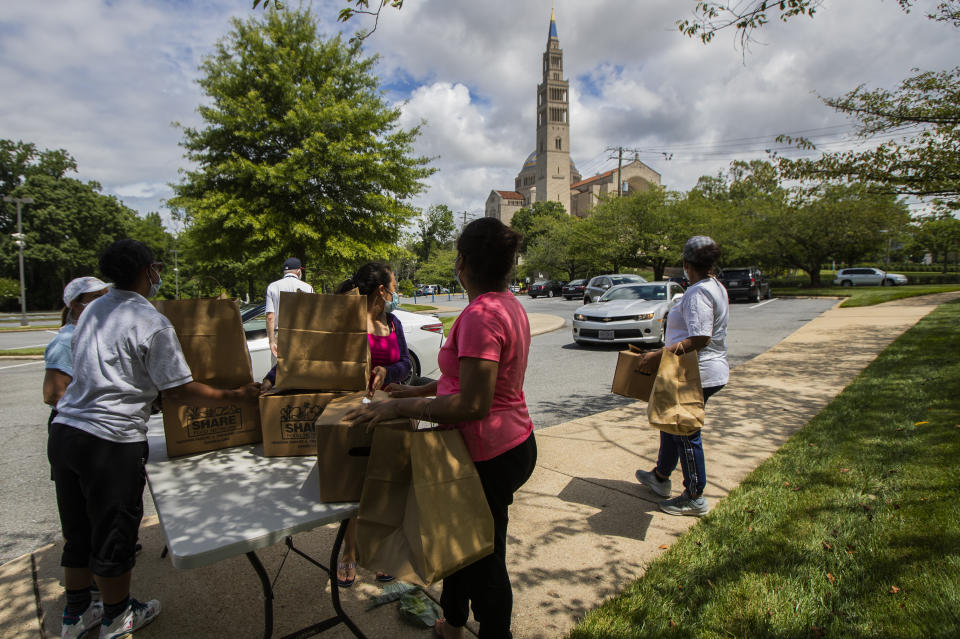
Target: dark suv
574	289
547	288
746	282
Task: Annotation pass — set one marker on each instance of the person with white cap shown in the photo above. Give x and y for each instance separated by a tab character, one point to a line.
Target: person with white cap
698	323
58	355
291	282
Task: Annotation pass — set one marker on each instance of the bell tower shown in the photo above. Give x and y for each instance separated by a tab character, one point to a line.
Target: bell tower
553	125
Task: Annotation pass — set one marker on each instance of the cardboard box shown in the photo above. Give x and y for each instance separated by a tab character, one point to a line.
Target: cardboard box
629	382
195	429
343	451
288	422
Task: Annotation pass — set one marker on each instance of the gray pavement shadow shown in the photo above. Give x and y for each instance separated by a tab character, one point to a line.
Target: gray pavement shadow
576	405
623	518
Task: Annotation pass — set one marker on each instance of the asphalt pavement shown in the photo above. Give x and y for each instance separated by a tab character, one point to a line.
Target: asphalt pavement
564	381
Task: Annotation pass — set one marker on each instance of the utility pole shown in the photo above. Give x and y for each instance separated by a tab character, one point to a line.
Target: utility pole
19	241
620	150
176	271
464	220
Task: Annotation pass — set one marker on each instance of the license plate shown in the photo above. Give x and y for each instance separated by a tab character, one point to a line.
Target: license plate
733	283
606	335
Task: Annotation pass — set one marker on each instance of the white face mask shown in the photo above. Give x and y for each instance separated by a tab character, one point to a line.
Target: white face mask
155	286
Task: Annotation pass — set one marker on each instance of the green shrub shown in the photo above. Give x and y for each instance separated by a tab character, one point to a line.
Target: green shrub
406	288
9	289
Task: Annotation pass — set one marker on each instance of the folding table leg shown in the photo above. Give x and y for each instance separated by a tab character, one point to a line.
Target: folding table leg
334	588
267	594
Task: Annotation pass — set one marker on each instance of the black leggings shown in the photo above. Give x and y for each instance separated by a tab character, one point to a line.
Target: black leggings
485	583
100	498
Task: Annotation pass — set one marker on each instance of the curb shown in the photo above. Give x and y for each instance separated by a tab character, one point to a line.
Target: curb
19	357
545	323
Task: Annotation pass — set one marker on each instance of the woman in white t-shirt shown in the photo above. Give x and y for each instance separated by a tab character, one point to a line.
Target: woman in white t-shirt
697	323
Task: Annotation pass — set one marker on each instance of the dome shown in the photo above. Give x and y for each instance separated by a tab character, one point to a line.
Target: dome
531	162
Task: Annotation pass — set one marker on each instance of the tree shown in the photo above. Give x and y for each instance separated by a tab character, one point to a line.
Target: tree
439	269
436	229
940	236
67	227
534	220
20	160
745	17
925	163
565	247
845	222
299	155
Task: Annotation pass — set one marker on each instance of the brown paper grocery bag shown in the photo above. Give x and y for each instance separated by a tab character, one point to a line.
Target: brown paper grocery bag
676	402
343	450
423	514
322	342
212	338
627	380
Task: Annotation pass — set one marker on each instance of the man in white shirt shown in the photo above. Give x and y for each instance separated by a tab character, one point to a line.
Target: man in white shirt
291	282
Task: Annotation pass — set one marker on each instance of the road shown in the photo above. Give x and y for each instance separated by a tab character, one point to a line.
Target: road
564	381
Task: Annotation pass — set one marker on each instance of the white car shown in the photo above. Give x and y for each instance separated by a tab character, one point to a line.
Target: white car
424	335
627	313
868	277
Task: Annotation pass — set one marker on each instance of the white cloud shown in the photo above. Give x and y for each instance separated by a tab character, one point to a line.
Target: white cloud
105	80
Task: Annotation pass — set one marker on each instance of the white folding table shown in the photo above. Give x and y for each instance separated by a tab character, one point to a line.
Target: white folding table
225	503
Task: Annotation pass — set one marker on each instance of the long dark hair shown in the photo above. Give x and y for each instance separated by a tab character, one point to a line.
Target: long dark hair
368	279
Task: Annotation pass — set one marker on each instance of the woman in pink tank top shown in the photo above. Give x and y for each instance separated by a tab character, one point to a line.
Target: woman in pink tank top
389	363
480	392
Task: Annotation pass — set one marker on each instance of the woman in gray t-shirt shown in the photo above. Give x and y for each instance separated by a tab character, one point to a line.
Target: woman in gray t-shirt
124	353
697	323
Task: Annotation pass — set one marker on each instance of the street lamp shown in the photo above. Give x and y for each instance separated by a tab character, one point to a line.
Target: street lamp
18	239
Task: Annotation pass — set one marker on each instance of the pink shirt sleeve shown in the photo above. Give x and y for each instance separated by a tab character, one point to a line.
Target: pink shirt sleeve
480	335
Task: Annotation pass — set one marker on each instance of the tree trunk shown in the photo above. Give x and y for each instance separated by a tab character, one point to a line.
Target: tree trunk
814	272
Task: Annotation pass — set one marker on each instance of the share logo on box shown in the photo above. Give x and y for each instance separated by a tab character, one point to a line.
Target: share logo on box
288	421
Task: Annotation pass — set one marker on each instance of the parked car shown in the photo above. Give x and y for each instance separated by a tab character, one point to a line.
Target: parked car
424	335
574	288
514	288
599	284
547	288
745	282
627	313
428	289
681	280
863	276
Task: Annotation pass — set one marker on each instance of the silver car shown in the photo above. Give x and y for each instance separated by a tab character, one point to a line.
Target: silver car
627	313
599	285
862	276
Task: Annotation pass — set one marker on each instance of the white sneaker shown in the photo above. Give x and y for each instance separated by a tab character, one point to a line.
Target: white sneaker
74	627
136	616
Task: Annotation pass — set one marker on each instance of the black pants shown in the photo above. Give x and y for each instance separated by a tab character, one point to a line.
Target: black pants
485	583
100	498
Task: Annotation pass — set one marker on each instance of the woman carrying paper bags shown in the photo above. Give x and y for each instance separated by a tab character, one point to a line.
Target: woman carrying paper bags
480	392
698	323
389	362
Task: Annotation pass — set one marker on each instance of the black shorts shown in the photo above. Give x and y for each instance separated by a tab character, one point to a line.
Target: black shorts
100	498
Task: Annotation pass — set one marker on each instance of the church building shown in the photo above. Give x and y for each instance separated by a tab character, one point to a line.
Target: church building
548	173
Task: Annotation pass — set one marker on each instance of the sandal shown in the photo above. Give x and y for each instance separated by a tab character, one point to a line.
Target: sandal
383	577
346	566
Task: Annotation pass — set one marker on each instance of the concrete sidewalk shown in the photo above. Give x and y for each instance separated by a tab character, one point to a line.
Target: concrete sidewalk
581	529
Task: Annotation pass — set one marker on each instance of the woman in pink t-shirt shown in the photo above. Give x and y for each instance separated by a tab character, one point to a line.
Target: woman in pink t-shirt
480	392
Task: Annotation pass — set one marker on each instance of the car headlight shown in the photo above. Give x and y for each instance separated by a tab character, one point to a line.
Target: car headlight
579	316
645	316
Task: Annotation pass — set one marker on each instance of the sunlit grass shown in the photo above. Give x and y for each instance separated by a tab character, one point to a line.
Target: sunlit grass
868	295
852	529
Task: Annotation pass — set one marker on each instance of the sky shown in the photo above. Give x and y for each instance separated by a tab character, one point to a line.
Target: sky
109	81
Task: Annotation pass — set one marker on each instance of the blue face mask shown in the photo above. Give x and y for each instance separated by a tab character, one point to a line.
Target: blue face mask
391	306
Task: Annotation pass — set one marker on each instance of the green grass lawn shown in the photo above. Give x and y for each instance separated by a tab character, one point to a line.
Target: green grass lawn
447	323
32	327
13	352
415	308
868	295
852	529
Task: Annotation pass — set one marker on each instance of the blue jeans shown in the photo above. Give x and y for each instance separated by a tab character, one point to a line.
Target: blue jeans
688	451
